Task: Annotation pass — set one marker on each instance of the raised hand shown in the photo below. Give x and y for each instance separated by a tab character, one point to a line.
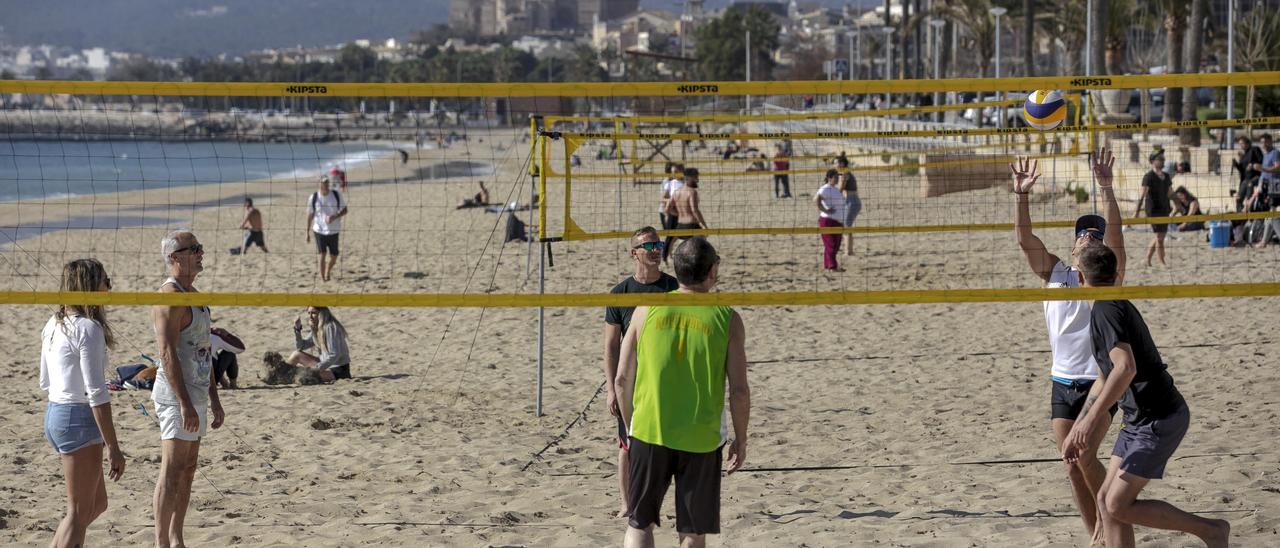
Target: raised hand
1101	164
1025	174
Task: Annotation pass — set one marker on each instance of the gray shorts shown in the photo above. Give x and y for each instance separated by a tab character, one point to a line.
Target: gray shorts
1145	449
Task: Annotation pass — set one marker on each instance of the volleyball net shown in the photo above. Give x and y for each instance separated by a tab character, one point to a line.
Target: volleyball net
570	171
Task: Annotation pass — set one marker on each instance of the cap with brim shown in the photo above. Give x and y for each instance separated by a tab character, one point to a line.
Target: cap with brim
1086	222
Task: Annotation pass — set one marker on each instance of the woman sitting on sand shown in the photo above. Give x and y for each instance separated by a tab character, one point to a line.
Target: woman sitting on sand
1185	204
327	335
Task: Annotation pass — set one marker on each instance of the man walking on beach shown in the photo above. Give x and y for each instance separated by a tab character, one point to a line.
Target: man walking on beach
675	362
1156	417
684	206
184	390
1074	370
253	223
325	210
646	251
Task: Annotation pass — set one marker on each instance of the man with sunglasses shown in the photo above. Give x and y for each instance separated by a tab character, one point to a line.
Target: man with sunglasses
673	371
1074	367
647	253
184	390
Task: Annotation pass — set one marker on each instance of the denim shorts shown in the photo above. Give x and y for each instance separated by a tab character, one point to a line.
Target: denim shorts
70	427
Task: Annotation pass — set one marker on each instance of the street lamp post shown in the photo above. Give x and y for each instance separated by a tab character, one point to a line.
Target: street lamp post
849	73
748	69
937	25
997	12
1231	67
858	48
888	62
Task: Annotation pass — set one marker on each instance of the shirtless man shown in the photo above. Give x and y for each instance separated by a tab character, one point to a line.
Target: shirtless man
253	223
683	205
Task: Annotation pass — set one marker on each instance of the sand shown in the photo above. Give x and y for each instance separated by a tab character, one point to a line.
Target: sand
435	442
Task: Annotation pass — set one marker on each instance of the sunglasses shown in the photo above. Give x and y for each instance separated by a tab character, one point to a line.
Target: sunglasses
1090	232
194	249
651	246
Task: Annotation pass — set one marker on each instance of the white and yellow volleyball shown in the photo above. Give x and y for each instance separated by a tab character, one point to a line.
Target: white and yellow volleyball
1044	109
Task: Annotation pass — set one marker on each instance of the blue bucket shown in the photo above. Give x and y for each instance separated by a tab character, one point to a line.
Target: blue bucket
1219	234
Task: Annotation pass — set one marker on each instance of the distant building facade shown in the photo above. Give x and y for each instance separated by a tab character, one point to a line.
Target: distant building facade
519	17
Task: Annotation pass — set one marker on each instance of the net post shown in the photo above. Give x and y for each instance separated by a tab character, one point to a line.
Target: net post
542	312
542	255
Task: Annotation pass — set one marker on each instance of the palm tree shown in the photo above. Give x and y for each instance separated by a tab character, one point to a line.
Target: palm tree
1029	36
1175	26
1067	22
1098	39
1195	47
1120	18
974	15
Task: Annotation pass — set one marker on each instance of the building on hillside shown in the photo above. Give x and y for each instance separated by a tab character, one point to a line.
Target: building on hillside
590	11
645	30
541	17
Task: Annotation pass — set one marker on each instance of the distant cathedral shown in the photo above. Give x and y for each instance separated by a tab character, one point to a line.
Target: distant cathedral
513	17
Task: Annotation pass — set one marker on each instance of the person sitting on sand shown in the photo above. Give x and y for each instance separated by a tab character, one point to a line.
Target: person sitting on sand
480	199
226	368
326	335
1186	204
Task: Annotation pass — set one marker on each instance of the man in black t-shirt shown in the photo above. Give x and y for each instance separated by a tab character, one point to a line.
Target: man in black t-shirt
646	252
1155	416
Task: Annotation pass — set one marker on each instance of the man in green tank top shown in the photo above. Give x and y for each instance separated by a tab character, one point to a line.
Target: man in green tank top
674	366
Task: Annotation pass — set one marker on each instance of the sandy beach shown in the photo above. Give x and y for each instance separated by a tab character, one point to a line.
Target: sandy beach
931	410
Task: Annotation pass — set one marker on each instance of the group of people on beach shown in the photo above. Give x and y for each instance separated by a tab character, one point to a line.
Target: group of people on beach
326	208
667	369
78	419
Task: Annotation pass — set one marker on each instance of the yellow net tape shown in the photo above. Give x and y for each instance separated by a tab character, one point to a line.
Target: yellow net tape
650	89
498	300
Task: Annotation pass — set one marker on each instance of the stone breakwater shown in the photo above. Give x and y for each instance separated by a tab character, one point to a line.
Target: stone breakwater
74	125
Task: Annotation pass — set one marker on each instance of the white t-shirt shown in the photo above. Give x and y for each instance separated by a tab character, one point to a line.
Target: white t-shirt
669	187
1068	323
833	199
72	358
324	205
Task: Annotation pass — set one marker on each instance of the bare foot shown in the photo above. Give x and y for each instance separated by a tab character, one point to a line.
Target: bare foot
1222	532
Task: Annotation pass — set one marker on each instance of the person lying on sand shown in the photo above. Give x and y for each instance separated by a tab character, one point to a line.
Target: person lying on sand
479	200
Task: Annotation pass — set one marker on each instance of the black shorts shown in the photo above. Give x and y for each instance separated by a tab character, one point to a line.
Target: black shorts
1145	449
697	478
1159	228
254	237
327	243
623	438
1068	399
341	371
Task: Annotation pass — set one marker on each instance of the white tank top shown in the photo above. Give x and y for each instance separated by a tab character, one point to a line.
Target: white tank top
1068	323
196	356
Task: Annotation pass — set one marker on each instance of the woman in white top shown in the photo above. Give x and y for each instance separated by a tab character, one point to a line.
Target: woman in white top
831	207
78	417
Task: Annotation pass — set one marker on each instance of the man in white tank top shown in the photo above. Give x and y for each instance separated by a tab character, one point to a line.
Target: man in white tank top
184	391
1074	368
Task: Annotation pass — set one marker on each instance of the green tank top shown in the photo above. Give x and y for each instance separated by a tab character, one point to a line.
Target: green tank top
680	377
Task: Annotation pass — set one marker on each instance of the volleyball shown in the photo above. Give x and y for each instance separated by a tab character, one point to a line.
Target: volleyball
1044	109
